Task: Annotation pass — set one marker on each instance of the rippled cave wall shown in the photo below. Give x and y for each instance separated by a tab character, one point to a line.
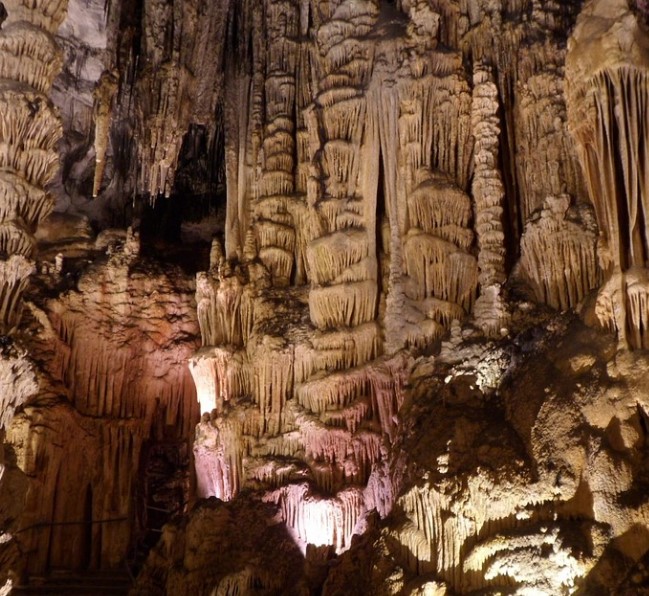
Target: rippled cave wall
325	296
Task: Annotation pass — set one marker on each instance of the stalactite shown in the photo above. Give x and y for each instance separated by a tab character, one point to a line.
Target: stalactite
218	306
103	95
87	459
99	361
272	382
168	96
277	235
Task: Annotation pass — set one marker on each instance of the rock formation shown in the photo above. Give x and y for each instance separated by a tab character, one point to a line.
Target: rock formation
339	297
29	61
608	62
30	130
112	390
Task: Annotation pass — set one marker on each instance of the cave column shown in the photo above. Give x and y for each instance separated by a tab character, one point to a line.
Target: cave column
28	135
273	222
488	194
342	263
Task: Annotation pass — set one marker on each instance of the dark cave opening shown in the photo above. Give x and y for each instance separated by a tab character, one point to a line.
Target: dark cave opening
381	217
185	222
86	531
162	492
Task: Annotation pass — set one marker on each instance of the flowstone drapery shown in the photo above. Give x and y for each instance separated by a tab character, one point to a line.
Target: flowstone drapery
608	93
353	197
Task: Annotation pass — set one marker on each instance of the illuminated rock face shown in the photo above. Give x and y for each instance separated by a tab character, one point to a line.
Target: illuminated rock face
384	346
112	391
373	195
355	222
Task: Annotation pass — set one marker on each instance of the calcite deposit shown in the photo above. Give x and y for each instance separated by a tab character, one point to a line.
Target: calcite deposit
338	296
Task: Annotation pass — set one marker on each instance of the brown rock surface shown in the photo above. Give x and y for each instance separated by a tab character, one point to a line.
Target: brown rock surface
415	362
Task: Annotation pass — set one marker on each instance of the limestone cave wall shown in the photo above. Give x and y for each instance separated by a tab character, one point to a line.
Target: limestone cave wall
325	296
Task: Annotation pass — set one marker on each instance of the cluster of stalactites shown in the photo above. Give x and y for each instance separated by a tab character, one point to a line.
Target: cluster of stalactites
291	410
607	72
558	255
180	65
29	54
77	450
29	131
18	383
619	189
164	131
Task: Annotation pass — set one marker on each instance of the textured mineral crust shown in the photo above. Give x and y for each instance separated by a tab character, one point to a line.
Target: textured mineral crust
324	297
